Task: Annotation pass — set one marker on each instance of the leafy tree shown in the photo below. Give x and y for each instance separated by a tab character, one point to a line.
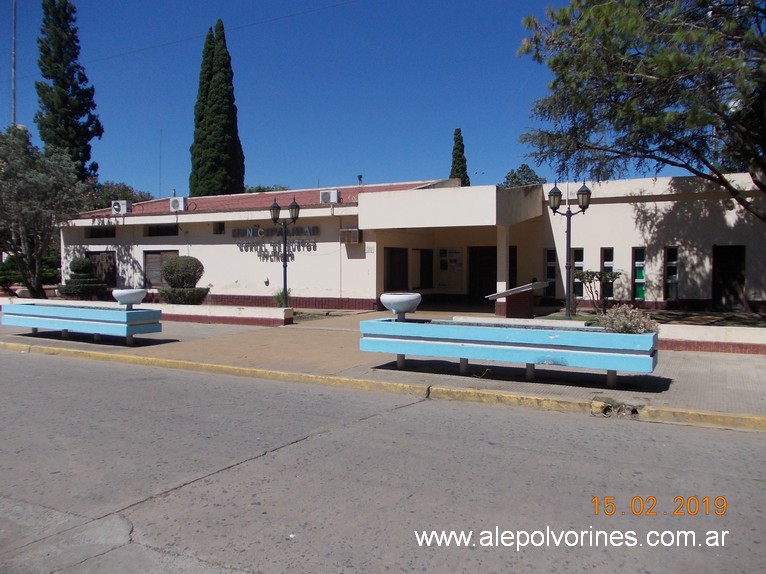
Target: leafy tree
261	188
643	84
66	118
39	192
524	175
105	193
218	162
459	163
594	282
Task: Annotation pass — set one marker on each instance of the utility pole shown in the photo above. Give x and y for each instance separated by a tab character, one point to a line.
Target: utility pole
13	66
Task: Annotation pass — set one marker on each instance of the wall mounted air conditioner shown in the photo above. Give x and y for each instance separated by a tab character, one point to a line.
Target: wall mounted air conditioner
121	206
177	204
328	196
349	236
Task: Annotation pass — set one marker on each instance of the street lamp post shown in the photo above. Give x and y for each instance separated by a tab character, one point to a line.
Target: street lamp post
294	212
583	200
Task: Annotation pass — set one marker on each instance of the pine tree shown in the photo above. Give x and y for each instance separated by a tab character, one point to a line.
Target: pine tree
524	175
66	118
218	163
459	163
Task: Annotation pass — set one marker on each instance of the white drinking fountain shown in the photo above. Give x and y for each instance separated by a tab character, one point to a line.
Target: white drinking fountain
401	303
129	297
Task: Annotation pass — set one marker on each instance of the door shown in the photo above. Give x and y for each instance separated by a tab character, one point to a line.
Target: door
395	269
729	277
482	273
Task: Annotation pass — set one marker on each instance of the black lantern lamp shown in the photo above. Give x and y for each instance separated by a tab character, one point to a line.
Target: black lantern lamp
583	197
554	198
295	209
583	201
274	210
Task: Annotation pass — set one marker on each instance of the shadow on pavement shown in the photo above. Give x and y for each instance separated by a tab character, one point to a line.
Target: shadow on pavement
626	382
106	340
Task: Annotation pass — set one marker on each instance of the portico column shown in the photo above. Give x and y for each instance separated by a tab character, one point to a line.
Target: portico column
502	267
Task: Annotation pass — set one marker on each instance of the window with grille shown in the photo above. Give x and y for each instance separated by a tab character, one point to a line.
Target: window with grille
639	274
578	258
607	265
671	274
550	272
153	261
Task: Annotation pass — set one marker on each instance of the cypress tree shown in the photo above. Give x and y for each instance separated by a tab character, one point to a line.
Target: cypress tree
66	118
218	163
205	75
459	163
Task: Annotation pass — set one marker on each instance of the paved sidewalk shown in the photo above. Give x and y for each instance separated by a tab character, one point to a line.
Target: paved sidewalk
712	389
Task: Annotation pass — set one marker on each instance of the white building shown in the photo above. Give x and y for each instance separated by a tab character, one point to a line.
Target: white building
676	241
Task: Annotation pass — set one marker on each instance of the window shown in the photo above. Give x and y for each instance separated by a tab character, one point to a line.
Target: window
153	261
607	265
219	228
162	230
639	277
102	232
550	272
577	257
671	274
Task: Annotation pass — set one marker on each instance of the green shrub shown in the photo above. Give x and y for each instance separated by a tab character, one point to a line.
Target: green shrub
183	295
627	319
9	274
82	265
278	297
182	272
82	283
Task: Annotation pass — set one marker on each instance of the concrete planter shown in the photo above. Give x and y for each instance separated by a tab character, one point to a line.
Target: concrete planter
573	346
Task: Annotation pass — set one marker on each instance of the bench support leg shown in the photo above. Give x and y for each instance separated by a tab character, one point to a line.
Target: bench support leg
96	337
65	333
399	361
530	371
463	366
129	340
34	330
611	378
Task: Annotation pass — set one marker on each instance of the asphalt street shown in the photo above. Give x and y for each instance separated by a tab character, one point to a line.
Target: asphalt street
111	467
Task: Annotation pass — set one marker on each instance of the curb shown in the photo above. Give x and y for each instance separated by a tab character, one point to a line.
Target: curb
491	396
704	418
327	380
647	413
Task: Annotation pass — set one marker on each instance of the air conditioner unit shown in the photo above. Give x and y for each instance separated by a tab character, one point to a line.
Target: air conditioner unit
350	236
121	206
328	196
177	204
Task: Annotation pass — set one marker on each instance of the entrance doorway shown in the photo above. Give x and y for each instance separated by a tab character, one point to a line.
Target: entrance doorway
729	277
482	273
395	269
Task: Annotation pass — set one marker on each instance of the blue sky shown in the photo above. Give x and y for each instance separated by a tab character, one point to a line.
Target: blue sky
325	89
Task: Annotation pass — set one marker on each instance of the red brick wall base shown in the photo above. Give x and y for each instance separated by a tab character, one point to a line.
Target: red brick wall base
712	347
295	302
261	321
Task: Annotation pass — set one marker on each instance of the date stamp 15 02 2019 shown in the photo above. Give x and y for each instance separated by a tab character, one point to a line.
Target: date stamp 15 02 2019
648	506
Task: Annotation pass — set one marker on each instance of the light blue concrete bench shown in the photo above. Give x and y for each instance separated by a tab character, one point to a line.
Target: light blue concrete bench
116	321
583	347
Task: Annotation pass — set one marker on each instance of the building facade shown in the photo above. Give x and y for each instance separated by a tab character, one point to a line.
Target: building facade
677	242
